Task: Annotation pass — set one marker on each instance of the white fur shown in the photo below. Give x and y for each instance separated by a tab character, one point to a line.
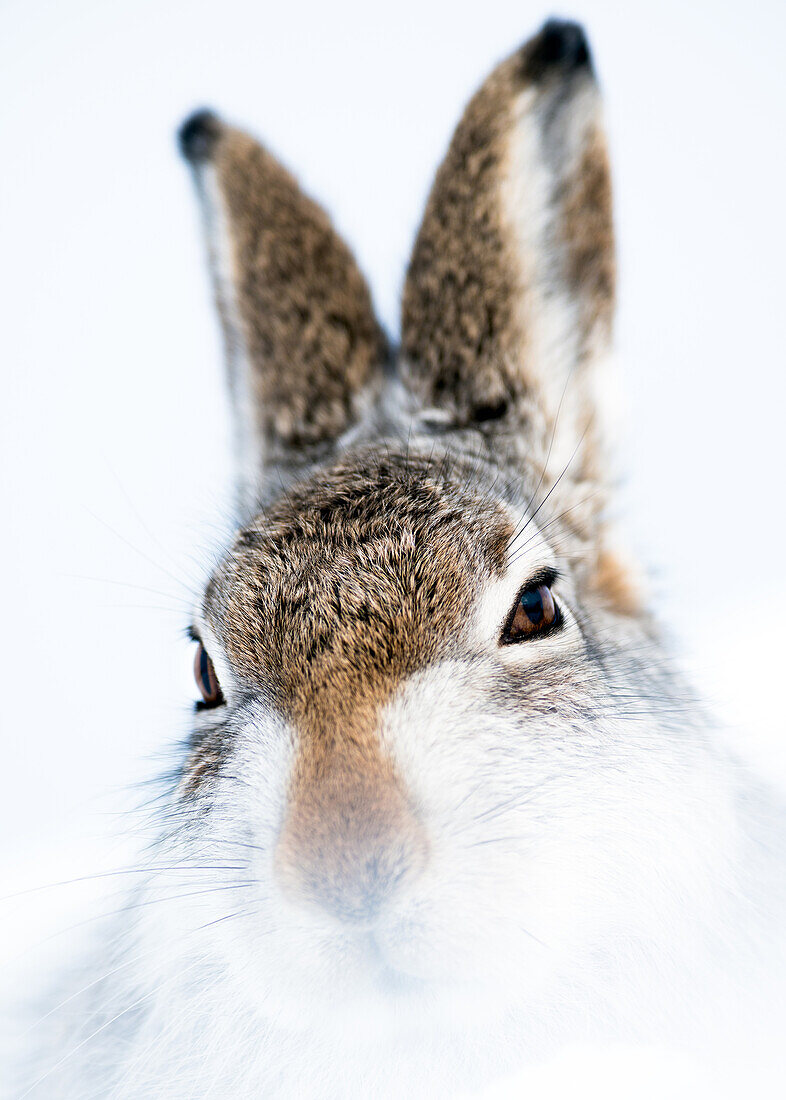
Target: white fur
248	440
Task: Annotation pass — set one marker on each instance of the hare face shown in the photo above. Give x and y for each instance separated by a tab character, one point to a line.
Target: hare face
427	808
452	767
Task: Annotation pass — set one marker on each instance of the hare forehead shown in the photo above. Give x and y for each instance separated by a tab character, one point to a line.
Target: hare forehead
357	578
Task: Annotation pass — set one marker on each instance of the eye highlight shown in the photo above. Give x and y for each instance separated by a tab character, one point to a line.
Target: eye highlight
535	613
207	681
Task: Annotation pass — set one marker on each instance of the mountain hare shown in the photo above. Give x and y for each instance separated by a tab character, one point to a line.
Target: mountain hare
446	806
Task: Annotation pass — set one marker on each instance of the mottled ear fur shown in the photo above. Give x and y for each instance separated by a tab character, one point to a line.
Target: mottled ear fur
508	301
304	349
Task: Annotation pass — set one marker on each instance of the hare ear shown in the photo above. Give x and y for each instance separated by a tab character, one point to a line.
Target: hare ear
508	299
304	349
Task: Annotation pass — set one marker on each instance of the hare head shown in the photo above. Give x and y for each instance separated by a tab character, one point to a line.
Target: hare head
437	738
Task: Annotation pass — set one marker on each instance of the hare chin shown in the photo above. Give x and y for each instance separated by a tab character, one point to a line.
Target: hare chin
368	985
380	1004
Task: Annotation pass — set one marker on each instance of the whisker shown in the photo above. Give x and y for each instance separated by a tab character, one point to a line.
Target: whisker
553	487
125	871
108	1023
137	514
102	978
126	584
543	528
548	453
141	553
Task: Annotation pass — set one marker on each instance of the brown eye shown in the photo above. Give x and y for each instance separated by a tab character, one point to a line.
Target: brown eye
207	681
535	613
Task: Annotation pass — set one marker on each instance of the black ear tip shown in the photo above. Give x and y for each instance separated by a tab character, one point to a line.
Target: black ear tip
560	46
198	136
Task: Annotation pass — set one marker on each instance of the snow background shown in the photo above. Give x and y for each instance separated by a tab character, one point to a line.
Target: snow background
113	424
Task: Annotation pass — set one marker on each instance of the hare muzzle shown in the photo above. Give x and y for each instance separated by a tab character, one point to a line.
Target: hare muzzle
349	842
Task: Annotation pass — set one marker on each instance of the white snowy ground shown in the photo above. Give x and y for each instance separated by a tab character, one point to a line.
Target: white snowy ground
113	428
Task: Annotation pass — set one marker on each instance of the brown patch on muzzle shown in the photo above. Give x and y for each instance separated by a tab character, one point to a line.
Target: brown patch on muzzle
350	839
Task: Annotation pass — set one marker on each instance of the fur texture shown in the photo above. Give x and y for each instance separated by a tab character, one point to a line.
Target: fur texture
402	858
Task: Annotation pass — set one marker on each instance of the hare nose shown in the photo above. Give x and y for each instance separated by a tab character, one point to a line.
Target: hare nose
349	843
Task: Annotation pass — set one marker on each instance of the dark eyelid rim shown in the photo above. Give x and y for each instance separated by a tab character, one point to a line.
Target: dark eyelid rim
200	705
548	576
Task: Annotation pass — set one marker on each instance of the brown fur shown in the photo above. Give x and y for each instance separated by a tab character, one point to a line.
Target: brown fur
616	586
459	329
462	330
306	313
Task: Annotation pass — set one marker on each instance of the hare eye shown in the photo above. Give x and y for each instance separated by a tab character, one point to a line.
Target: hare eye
207	681
536	613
